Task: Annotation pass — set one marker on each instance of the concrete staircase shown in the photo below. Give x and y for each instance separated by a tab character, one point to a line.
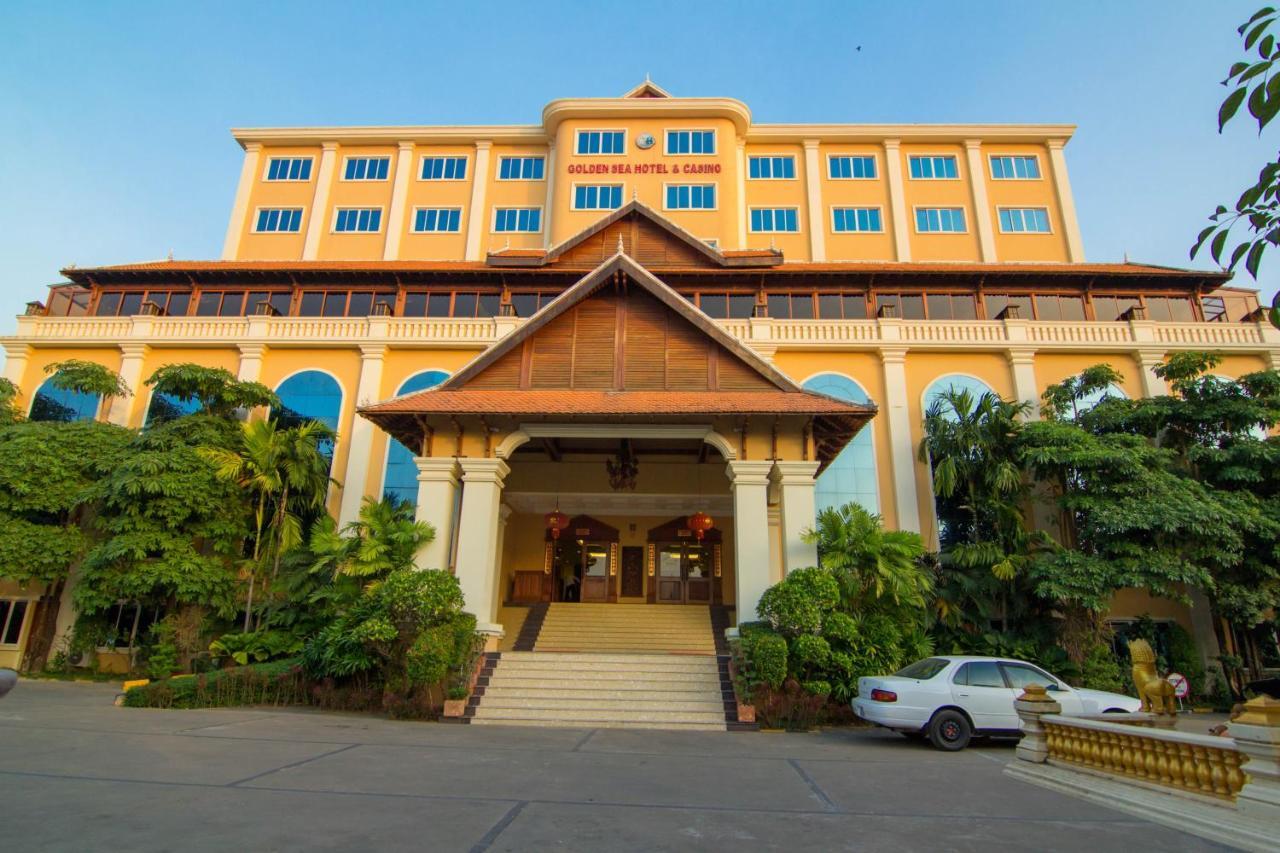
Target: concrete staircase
609	666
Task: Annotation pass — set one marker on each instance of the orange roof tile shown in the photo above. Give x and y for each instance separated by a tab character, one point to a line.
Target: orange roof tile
477	401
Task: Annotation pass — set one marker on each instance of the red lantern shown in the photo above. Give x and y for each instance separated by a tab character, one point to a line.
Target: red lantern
700	523
556	521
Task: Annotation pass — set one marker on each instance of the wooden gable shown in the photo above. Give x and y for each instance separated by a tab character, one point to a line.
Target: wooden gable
642	239
620	338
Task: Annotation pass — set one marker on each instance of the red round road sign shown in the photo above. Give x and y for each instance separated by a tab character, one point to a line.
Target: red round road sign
1180	686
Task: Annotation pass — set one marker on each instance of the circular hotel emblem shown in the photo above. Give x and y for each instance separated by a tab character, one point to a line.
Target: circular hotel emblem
645	141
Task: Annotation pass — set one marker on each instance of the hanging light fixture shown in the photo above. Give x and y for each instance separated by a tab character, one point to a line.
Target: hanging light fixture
623	468
699	522
556	522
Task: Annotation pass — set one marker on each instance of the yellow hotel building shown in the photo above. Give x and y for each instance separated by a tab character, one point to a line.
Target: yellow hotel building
748	319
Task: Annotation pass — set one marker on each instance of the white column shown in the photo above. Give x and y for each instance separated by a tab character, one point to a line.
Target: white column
901	452
549	206
360	445
1066	203
437	491
399	198
15	361
477	568
749	482
897	199
799	512
250	362
813	194
318	220
131	358
1025	389
240	208
742	193
1148	361
477	218
981	208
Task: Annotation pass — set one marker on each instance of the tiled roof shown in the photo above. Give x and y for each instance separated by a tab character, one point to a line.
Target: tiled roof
575	402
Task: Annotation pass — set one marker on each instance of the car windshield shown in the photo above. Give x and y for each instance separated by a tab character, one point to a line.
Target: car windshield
923	669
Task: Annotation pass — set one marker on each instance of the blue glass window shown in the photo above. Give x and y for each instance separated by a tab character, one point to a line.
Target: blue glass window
597	197
848	166
366	169
691	142
601	142
1015	168
515	220
436	220
845	219
310	396
766	219
55	404
943	220
1018	220
289	169
954	382
691	197
278	220
443	169
938	167
851	476
771	168
521	168
167	407
400	481
363	220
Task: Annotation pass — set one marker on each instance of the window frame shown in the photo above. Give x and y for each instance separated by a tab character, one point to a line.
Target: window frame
370	157
795	173
666	142
413	218
382	221
493	218
573	197
878	208
466	167
991	163
521	157
715	192
875	166
266	170
577	135
795	208
920	155
28	607
257	214
915	220
1003	207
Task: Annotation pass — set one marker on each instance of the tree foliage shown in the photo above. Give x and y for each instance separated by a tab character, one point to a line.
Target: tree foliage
216	390
87	377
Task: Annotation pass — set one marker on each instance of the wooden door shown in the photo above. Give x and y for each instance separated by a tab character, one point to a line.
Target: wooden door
632	571
670	573
595	571
697	574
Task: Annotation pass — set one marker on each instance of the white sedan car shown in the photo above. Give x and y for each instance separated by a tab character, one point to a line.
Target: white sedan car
949	699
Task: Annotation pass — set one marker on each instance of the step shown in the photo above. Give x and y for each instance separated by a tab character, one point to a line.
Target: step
592	715
639	658
657	692
601	724
688	682
681	663
620	708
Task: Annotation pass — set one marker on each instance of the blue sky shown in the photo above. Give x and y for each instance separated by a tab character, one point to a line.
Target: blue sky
114	116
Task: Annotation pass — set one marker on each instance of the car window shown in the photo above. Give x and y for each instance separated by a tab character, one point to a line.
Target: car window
923	669
1021	675
980	673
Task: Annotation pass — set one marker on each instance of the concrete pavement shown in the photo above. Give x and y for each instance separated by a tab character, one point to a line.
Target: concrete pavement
78	774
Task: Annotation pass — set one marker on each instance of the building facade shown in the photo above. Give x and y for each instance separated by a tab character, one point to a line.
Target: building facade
641	309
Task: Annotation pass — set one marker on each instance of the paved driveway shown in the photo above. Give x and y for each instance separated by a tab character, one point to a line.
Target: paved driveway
78	774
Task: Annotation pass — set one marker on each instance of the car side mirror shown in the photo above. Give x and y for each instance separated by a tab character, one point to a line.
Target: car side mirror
1053	687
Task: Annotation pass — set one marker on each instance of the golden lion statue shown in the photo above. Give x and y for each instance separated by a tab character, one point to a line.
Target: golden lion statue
1156	693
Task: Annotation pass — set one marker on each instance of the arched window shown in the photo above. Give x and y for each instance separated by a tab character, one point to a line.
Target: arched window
310	396
167	407
851	476
56	404
1088	401
400	478
954	382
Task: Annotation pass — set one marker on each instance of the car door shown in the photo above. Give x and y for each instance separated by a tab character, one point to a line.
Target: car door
1020	675
979	688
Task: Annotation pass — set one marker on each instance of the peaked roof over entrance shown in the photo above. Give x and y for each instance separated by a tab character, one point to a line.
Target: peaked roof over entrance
621	345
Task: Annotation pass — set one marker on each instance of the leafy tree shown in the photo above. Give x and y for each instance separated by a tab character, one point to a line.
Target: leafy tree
9	412
87	377
1252	82
382	540
871	564
217	391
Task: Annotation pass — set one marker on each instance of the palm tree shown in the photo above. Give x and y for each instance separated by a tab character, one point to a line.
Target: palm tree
287	473
869	561
385	538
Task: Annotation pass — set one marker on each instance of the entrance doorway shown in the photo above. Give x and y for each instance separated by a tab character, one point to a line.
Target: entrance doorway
684	573
584	561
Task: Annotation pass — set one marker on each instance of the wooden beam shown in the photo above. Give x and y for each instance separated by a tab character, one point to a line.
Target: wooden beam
553	450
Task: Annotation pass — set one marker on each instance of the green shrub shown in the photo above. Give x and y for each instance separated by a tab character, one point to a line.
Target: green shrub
162	660
800	603
1184	657
809	653
767	654
1100	669
255	646
275	683
816	687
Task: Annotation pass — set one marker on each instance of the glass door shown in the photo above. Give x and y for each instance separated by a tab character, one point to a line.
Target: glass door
684	573
595	571
670	574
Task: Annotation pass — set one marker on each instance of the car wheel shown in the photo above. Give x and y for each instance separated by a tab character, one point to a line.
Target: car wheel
950	730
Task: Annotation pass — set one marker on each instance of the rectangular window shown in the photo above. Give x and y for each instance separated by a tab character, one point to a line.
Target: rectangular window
765	220
771	168
366	169
517	220
289	169
358	220
597	197
1024	220
1004	306
951	306
933	168
1016	168
905	306
844	167
1051	306
436	220
691	142
521	168
855	219
691	197
443	169
942	220
278	220
12	612
1169	309
1111	308
601	142
311	303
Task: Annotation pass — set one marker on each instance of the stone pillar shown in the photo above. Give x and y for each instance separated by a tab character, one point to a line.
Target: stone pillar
250	369
897	199
549	204
437	491
1257	734
131	358
742	193
902	454
981	210
477	568
1025	389
796	485
749	483
477	217
240	208
813	195
1148	361
1066	203
1033	704
318	218
399	199
16	356
360	445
